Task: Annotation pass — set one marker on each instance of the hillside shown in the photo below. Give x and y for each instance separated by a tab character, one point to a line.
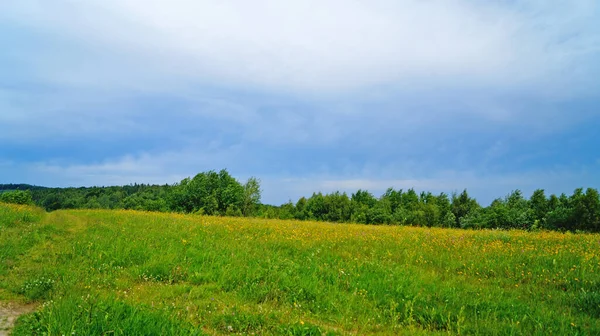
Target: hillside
131	273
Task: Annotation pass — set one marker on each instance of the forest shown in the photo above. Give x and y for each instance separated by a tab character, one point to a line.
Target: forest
218	193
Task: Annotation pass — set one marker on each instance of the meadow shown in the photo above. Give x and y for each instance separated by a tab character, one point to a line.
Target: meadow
103	272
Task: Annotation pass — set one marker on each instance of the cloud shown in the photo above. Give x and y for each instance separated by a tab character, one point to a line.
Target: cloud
166	167
112	67
290	174
312	46
308	95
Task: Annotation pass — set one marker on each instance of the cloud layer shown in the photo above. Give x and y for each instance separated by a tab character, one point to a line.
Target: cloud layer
308	95
316	46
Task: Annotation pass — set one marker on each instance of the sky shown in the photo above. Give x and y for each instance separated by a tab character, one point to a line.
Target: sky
307	95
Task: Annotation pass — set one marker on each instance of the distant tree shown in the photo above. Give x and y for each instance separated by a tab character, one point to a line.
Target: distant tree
338	207
585	210
558	214
360	213
393	199
364	197
287	211
53	201
577	210
448	220
379	214
230	193
463	205
538	203
252	194
210	193
474	219
218	193
361	203
431	214
592	203
315	207
410	200
520	215
446	217
180	199
301	212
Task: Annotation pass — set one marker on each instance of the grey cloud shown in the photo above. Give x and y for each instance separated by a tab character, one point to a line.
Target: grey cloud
317	46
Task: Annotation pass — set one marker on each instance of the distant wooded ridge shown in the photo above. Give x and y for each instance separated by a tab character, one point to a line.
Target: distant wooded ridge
218	193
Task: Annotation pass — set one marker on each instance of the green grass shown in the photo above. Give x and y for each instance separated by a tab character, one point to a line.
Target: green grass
136	273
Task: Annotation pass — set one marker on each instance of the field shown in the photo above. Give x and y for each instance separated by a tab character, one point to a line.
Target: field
138	273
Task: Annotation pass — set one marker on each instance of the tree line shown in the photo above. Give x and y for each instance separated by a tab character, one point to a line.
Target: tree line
577	212
210	193
218	193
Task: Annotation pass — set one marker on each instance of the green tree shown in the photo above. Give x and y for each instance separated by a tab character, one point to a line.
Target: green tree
393	199
558	214
585	210
210	193
538	203
301	212
315	207
252	194
361	203
338	207
446	217
463	205
410	200
520	215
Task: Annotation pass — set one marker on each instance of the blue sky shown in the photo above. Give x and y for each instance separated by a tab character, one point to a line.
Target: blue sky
307	95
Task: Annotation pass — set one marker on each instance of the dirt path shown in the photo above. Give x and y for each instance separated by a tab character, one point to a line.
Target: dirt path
9	312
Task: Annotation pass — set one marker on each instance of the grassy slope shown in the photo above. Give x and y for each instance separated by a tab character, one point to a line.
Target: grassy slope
148	273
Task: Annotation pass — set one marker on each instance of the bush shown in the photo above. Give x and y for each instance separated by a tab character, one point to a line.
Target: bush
22	197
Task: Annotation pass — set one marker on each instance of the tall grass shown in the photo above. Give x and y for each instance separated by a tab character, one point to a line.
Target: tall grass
153	273
12	215
86	316
21	228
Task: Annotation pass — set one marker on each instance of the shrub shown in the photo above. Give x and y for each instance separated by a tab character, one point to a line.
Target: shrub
22	197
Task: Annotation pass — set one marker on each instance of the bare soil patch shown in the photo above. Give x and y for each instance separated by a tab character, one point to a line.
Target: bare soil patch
9	312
